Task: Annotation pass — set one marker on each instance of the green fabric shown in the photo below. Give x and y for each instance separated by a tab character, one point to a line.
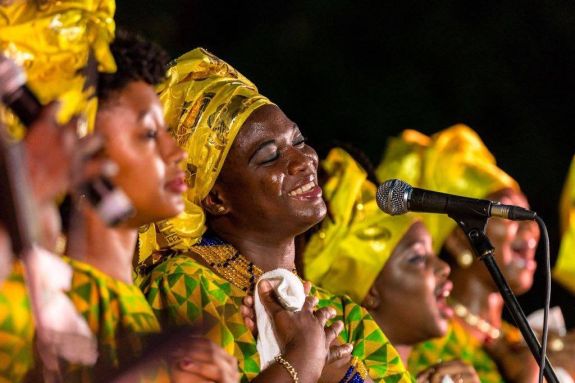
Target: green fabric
181	291
456	344
116	312
16	328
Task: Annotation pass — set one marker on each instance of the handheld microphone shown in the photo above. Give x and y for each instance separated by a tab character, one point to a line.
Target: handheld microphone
110	202
397	197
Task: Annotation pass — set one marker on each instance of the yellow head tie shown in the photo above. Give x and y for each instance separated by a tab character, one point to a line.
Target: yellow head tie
453	161
52	40
206	102
346	255
564	270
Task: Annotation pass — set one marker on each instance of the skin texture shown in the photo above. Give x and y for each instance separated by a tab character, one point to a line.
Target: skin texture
132	127
405	299
515	244
408	301
142	147
252	206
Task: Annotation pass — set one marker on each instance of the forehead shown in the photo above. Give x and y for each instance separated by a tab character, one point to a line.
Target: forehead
137	101
417	233
137	96
265	123
510	197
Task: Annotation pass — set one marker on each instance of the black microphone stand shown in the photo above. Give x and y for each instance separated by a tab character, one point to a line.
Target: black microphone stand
474	228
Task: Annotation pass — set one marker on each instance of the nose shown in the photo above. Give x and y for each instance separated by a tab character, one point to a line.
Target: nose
301	160
527	236
171	152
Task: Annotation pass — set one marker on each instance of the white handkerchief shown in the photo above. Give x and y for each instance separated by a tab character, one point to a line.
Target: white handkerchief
290	293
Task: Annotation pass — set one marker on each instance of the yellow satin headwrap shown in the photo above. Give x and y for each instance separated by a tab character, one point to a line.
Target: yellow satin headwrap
206	102
454	161
564	270
52	41
346	255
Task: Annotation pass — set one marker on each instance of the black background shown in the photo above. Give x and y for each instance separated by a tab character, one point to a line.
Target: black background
361	71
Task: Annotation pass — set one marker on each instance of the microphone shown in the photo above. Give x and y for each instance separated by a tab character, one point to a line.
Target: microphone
110	202
397	197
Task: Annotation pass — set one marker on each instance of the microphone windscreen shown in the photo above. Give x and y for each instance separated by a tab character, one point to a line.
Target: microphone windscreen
392	196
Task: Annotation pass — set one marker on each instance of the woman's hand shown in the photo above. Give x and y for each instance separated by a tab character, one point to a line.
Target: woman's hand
338	354
515	360
50	150
302	335
561	352
201	360
454	371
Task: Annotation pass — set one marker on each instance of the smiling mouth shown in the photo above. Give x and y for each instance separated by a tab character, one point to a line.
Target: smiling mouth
302	189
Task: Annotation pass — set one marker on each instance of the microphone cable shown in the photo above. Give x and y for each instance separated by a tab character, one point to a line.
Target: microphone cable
547	302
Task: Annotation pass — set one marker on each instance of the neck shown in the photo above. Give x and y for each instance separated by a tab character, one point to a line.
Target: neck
403	350
266	253
479	299
108	249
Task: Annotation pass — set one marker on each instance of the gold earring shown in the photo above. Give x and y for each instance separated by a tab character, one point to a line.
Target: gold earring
220	209
464	259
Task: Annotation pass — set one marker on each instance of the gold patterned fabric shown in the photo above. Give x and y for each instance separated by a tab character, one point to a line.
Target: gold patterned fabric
454	161
182	291
356	238
16	328
564	270
206	102
52	40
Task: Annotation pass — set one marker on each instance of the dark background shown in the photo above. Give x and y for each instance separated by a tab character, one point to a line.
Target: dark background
361	71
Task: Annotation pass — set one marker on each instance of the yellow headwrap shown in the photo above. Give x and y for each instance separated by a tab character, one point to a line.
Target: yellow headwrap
564	270
453	161
206	102
346	255
52	41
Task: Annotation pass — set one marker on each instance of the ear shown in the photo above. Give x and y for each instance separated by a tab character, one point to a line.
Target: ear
373	299
215	202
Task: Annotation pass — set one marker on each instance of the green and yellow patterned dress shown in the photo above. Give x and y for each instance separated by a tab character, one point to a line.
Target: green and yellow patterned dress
182	291
116	312
16	328
456	344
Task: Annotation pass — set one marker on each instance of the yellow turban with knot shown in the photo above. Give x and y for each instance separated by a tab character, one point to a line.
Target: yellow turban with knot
206	102
564	270
356	238
453	161
53	40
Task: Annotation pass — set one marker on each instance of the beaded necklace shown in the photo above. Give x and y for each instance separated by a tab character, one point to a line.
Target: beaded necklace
227	261
491	332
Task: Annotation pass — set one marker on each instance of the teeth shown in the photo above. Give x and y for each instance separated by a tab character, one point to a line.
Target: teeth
303	189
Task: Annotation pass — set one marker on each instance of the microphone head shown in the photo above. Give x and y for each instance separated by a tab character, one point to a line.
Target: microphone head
392	196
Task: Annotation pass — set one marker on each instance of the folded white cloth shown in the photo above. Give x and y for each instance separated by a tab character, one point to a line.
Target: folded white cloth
290	293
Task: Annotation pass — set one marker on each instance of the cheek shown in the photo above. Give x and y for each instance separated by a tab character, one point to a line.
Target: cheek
501	234
274	184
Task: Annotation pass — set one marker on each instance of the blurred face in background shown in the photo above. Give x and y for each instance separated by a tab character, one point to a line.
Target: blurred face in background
148	158
411	291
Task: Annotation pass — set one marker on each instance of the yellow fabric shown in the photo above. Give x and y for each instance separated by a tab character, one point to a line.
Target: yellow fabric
206	102
357	238
564	270
453	161
52	42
